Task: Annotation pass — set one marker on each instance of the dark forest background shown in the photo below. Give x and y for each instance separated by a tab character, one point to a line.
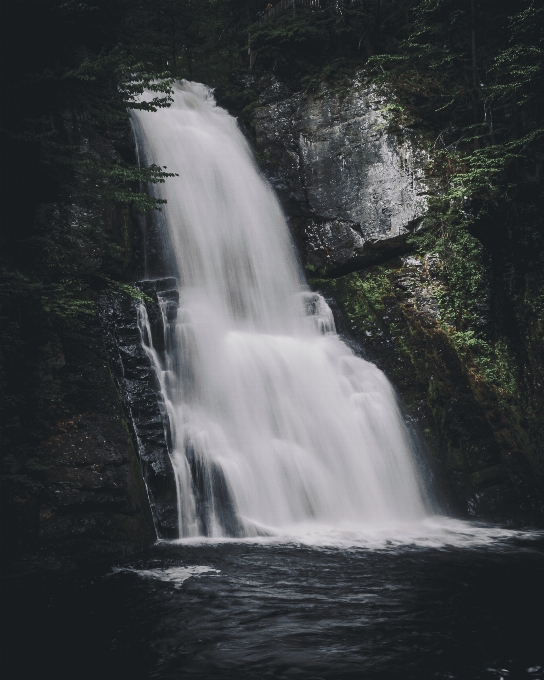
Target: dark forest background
467	74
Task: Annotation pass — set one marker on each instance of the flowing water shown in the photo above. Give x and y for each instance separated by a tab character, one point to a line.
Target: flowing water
276	425
307	545
240	610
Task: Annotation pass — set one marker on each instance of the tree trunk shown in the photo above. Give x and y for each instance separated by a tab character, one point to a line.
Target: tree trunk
368	41
377	24
475	88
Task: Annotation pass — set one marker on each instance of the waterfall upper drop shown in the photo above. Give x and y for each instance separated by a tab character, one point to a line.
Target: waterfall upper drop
274	421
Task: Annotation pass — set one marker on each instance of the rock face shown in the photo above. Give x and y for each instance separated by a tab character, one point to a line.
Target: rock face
100	486
72	492
354	191
477	443
139	392
81	498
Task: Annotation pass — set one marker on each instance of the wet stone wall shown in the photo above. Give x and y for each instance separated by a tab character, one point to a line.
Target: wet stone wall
139	392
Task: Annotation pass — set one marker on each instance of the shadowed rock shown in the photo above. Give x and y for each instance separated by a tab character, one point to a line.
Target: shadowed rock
140	395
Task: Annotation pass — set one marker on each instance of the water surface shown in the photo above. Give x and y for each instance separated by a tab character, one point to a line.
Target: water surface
244	610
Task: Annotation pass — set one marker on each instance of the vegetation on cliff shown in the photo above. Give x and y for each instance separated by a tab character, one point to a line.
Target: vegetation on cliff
465	80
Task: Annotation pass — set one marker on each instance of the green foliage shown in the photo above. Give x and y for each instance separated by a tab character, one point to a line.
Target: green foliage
126	289
201	41
130	78
523	60
469	78
362	293
472	81
306	47
115	182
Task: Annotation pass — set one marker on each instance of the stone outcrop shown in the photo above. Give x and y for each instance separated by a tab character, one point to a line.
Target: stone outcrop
80	499
139	392
352	190
479	449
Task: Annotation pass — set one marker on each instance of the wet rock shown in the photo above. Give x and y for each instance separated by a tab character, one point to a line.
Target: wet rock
139	391
92	504
487	476
330	245
393	311
353	190
272	90
494	501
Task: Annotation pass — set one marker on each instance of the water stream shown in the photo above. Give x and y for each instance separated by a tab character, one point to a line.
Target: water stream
277	427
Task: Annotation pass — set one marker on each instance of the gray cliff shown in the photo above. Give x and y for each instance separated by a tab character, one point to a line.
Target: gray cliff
359	190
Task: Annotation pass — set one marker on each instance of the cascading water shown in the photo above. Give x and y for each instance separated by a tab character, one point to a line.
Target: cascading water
275	423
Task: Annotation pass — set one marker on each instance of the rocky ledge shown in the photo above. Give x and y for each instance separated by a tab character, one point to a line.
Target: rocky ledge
353	192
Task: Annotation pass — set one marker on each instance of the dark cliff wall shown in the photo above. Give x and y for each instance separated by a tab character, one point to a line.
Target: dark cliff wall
454	321
72	487
134	331
77	496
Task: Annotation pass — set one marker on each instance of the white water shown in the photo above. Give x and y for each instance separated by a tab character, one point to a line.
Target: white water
175	575
276	424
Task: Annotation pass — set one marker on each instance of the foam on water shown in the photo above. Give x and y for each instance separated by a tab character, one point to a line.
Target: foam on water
176	575
430	533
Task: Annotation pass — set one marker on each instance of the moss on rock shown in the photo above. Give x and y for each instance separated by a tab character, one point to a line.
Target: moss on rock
462	383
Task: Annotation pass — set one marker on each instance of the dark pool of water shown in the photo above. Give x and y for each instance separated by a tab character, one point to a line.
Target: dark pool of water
285	612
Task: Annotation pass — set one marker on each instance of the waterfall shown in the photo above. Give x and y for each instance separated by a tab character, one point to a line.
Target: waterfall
275	423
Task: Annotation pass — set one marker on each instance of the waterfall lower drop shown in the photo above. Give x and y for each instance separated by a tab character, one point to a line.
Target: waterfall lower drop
275	423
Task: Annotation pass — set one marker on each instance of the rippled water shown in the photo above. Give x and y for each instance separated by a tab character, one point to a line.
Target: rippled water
238	610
